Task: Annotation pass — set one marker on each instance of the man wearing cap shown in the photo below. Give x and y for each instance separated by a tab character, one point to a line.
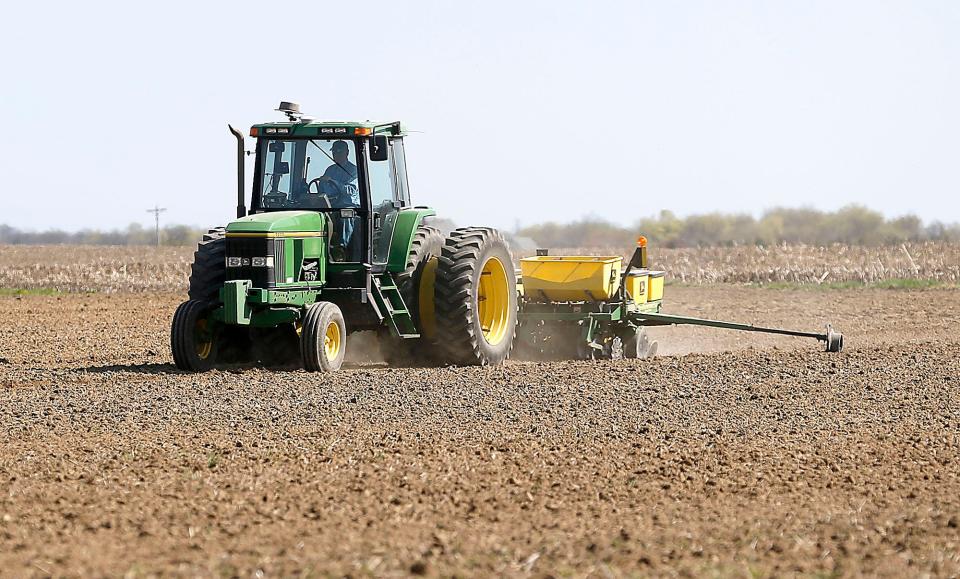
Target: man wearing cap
342	175
341	172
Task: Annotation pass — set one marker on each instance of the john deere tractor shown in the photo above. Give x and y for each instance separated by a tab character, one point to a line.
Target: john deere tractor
333	245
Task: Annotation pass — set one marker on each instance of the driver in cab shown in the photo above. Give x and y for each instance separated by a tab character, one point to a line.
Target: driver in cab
338	183
341	173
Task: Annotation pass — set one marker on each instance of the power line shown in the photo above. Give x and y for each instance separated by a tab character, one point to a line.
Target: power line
157	210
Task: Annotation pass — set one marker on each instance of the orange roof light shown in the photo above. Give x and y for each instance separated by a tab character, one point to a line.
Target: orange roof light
641	241
362	131
254	131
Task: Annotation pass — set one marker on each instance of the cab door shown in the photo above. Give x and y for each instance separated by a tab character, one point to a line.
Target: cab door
385	201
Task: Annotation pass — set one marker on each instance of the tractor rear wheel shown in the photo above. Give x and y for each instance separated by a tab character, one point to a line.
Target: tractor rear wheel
193	336
475	298
207	275
323	338
233	345
416	285
209	270
277	348
416	281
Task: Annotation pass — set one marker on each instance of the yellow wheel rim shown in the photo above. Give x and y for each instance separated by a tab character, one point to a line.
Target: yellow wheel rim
493	301
428	313
332	340
201	346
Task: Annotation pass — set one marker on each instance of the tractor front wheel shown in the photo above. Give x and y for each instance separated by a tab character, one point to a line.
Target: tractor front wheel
193	336
323	338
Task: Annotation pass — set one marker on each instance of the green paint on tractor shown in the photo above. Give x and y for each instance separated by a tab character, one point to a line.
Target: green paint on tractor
279	221
407	223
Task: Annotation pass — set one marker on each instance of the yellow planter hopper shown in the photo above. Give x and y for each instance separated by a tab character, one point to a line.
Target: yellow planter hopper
570	278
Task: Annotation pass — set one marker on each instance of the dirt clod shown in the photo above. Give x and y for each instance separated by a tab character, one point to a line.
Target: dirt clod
419	568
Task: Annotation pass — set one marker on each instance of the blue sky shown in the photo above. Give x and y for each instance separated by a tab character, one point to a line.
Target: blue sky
526	111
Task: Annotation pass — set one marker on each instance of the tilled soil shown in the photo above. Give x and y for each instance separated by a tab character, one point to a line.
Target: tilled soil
769	458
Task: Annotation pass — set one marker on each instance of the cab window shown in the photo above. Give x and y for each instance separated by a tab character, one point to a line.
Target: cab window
309	174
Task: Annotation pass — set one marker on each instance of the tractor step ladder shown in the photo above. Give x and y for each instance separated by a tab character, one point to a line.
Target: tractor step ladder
388	299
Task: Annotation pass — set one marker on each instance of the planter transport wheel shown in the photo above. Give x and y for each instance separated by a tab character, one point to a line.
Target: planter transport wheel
834	341
639	345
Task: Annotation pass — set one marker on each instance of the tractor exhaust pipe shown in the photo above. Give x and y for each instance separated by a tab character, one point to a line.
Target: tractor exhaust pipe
241	207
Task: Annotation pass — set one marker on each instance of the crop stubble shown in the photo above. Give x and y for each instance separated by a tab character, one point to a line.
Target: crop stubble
150	269
772	458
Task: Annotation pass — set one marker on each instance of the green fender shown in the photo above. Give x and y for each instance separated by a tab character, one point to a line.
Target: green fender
408	220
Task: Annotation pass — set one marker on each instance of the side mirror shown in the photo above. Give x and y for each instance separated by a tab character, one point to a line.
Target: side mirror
378	148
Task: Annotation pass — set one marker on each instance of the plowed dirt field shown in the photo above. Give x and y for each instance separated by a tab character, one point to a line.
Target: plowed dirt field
733	455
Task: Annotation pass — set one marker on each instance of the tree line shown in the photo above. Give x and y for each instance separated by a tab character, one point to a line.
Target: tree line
853	225
134	234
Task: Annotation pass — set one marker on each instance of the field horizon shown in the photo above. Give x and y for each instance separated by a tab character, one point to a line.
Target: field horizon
99	268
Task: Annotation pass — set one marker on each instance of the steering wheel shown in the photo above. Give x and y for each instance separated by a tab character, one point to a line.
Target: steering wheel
320	181
329	184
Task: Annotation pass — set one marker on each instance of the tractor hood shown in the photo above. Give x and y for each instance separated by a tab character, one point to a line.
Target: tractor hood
279	222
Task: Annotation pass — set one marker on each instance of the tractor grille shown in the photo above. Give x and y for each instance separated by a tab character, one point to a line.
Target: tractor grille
247	248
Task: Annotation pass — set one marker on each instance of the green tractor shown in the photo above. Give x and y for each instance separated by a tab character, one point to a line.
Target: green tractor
333	245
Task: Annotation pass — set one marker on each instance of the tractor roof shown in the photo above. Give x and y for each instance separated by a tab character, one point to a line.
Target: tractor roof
327	129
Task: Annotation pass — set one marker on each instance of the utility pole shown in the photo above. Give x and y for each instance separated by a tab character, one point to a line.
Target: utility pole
157	210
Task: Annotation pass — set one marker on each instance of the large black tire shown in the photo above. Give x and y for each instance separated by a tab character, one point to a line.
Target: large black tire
209	270
234	345
469	255
193	339
207	275
277	348
427	245
319	354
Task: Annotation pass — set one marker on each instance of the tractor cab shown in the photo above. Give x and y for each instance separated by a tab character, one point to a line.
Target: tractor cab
353	173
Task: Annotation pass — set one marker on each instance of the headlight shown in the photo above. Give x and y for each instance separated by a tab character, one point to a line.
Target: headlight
251	261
